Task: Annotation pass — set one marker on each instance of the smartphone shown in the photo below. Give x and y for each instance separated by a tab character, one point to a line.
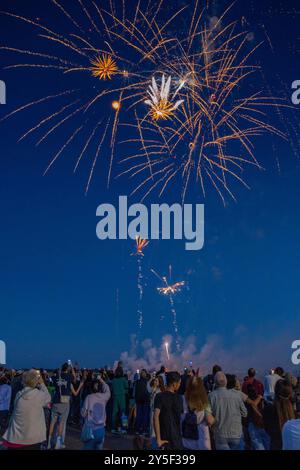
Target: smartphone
69	362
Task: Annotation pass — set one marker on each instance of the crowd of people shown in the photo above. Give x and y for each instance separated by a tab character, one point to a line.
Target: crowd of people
163	409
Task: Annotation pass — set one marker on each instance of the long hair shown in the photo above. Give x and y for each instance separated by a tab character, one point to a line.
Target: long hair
96	386
283	402
195	394
161	383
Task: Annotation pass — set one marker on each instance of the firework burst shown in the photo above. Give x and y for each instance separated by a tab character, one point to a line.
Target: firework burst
170	290
104	67
140	245
198	126
162	107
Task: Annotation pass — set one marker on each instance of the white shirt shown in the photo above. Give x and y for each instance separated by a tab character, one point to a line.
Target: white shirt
291	435
94	407
270	382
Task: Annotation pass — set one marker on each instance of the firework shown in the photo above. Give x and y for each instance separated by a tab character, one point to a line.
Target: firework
170	290
199	125
116	105
162	107
173	289
119	60
211	137
104	67
167	350
140	245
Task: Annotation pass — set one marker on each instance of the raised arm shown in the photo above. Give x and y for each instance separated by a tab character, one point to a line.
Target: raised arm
74	392
44	395
106	390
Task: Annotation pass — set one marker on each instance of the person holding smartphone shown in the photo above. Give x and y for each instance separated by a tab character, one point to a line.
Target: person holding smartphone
64	389
27	427
94	413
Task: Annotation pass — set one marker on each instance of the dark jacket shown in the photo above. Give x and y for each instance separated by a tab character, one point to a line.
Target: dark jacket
142	395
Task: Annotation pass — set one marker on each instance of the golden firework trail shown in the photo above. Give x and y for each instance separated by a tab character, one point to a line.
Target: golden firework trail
140	245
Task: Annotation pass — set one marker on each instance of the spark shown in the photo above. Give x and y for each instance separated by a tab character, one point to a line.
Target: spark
162	107
104	67
116	105
140	245
172	289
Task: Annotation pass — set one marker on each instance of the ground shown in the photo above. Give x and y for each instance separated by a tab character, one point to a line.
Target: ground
112	442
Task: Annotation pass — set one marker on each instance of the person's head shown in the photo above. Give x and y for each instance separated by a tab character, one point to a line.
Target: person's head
96	386
162	370
220	379
65	367
216	368
290	379
119	373
188	371
173	381
251	373
31	378
110	374
144	374
231	381
4	380
237	384
279	371
283	402
154	383
195	394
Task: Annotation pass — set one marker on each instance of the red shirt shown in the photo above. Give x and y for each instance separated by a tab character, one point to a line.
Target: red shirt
11	445
256	384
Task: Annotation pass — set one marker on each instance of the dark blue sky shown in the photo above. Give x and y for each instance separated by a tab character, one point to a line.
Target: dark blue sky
58	282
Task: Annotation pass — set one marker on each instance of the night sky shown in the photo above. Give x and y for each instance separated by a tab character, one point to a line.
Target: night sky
66	294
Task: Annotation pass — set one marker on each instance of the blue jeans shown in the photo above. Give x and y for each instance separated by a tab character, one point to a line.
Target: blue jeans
142	421
224	443
259	438
97	442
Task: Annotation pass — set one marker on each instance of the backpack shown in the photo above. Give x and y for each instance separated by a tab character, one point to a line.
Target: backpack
189	426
